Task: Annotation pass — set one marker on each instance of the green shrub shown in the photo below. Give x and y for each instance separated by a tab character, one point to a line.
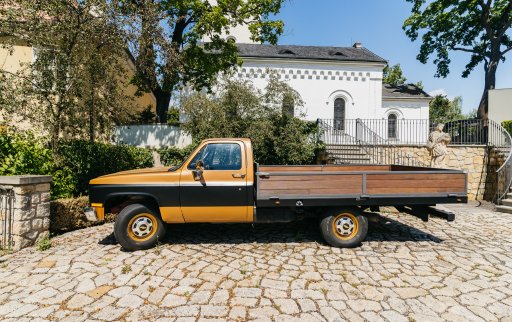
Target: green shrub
172	156
22	153
85	160
173	117
508	126
72	164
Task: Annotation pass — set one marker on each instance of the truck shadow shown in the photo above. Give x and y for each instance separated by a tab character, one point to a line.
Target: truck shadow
301	231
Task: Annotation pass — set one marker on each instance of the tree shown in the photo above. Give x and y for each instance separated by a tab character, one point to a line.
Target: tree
75	85
479	27
240	110
166	39
393	75
442	109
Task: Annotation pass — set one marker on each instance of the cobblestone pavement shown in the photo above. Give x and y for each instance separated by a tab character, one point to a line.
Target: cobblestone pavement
406	271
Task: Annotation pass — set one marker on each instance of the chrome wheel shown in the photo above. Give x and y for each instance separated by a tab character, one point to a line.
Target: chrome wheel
142	227
345	226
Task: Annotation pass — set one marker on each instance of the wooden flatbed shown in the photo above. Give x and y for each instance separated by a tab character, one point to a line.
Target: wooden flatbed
362	185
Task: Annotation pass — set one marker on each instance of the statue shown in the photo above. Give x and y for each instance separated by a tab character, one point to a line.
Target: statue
437	142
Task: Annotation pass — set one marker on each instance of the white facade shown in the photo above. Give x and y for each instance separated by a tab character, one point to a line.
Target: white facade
321	83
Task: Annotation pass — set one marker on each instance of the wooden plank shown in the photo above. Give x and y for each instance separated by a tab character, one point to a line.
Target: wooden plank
459	183
329	168
416	176
416	190
309	192
282	185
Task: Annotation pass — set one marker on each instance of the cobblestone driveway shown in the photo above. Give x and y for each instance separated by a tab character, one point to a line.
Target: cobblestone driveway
435	271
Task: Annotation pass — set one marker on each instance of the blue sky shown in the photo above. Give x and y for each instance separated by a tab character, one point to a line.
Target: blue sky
378	25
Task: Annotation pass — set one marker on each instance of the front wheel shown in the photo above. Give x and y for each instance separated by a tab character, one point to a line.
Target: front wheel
344	228
137	227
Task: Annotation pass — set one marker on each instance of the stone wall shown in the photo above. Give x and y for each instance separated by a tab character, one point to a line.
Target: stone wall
479	161
28	220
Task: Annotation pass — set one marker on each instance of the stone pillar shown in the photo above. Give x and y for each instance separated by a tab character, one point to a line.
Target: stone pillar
30	217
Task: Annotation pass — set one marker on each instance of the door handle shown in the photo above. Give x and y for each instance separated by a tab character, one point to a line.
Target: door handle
238	175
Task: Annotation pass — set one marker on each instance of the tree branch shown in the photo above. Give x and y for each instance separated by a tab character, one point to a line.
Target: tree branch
506	51
465	50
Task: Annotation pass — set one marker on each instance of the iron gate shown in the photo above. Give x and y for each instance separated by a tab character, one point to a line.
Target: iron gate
6	217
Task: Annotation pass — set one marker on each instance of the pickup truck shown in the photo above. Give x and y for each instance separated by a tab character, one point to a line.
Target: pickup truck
220	183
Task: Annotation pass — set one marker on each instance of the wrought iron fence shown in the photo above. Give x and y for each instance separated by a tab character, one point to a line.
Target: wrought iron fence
6	217
409	131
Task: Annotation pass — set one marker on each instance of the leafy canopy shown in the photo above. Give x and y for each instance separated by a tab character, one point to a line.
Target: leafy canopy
183	42
479	27
393	75
442	109
75	86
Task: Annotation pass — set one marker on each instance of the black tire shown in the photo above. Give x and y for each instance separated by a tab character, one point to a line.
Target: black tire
353	227
135	229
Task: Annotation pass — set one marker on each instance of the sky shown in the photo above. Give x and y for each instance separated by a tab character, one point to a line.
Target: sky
377	24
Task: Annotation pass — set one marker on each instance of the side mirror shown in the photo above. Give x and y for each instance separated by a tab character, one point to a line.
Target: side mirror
198	173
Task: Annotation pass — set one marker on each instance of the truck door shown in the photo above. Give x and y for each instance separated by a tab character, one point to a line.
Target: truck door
220	195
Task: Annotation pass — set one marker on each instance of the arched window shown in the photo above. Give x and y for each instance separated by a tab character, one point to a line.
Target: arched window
339	114
392	126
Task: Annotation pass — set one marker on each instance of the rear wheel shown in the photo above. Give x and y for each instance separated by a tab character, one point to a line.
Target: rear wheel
138	227
345	227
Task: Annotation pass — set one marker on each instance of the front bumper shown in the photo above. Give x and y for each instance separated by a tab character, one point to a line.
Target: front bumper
95	213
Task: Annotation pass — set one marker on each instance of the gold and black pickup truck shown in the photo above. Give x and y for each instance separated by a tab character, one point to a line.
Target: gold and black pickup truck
221	183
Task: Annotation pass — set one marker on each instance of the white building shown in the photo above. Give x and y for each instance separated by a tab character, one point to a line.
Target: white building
337	84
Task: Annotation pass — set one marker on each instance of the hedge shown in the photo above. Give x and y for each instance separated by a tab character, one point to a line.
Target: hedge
172	156
72	164
67	214
85	160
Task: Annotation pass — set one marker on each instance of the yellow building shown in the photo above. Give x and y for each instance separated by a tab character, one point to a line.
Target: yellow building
16	57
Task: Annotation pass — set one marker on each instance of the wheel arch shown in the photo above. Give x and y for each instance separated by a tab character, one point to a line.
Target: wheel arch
117	201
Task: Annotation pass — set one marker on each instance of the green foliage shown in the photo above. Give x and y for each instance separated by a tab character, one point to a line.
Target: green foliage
240	110
507	125
86	160
71	165
170	48
146	116
442	110
44	244
173	117
79	71
480	28
22	153
393	75
173	156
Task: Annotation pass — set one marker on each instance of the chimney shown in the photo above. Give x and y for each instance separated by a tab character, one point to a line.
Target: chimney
357	45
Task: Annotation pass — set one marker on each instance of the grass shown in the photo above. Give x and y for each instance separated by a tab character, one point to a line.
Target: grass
126	269
44	244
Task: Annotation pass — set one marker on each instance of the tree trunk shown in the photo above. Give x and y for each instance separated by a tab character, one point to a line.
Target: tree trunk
162	105
91	122
490	83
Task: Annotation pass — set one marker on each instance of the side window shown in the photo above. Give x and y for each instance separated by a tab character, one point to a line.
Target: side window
219	156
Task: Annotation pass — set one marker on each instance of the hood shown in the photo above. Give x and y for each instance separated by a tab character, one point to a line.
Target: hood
138	171
139	176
